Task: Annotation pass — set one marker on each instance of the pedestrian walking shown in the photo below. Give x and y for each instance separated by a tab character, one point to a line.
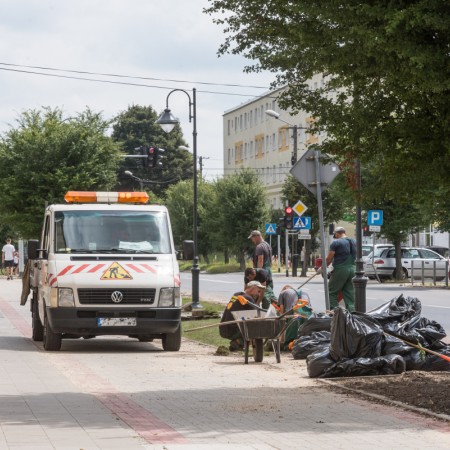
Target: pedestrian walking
8	258
262	258
342	254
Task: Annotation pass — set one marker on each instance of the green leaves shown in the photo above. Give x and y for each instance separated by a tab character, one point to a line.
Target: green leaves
45	156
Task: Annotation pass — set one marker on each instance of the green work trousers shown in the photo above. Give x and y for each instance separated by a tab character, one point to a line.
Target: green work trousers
341	281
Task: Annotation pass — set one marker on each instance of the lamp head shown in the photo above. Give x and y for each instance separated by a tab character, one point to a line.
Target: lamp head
272	113
167	121
127	172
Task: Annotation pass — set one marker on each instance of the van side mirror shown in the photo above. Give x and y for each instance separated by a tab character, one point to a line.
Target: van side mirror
33	246
188	250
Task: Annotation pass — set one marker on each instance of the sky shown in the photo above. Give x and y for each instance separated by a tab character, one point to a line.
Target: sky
170	40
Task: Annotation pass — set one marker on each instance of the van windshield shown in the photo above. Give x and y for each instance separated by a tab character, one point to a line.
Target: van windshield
112	232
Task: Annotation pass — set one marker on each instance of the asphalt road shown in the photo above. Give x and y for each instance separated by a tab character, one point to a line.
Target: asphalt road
435	300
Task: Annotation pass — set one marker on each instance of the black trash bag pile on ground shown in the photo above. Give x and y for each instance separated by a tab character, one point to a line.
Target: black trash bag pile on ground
368	344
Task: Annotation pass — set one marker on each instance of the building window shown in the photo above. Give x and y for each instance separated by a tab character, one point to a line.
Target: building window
245	150
235	124
262	145
251	149
267	144
280	173
228	127
274	145
245	121
274	174
229	156
240	122
256	116
251	118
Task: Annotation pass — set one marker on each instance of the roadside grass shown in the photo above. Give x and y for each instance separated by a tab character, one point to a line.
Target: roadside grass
208	336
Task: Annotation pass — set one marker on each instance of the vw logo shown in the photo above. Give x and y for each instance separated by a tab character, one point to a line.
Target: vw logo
117	296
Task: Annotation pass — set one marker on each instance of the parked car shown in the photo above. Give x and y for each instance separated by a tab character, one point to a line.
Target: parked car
443	251
383	261
368	248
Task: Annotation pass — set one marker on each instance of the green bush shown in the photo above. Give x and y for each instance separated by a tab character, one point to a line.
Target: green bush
223	268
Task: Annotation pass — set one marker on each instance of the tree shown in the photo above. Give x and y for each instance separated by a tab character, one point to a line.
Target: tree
241	207
386	89
180	202
45	156
136	127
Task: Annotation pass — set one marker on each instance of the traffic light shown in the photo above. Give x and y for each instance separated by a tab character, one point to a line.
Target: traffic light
288	218
366	231
151	156
157	157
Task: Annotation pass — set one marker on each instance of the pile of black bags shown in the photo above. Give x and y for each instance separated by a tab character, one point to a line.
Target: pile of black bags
354	344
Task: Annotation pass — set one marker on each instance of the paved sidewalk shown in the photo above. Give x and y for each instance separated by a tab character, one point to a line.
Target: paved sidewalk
117	393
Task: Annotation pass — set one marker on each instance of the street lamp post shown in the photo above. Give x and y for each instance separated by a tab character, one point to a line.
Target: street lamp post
168	122
360	280
141	181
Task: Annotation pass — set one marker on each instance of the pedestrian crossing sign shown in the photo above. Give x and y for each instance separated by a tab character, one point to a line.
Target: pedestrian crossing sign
271	228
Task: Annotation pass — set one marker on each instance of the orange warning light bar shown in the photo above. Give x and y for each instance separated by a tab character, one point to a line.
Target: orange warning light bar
106	197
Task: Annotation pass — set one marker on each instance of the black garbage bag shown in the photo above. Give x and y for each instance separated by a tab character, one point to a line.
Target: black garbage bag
382	365
316	322
417	330
435	363
414	359
394	346
318	362
305	345
354	335
399	309
430	330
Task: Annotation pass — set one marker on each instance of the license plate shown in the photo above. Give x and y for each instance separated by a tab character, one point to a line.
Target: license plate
116	321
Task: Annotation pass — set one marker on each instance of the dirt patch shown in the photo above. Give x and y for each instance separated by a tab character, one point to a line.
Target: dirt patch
427	390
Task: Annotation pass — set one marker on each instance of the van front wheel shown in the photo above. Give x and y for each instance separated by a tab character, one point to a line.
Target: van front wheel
52	341
171	342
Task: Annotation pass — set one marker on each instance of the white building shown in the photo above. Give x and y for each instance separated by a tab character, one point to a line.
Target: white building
255	140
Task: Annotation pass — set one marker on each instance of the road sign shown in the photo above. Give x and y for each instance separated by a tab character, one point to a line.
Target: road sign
271	228
304	236
302	223
375	228
375	217
299	208
304	171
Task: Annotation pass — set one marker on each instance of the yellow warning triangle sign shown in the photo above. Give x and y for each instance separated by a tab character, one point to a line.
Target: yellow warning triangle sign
116	272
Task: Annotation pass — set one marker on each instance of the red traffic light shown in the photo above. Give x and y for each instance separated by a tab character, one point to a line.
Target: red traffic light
288	211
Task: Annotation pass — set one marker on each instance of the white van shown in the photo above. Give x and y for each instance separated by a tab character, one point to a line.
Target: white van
105	265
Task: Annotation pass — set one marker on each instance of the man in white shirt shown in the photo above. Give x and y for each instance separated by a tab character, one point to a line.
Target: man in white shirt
8	258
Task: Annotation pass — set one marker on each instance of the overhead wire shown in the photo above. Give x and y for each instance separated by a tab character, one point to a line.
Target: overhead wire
85	72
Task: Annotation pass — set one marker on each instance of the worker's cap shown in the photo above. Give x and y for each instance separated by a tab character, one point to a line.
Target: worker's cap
254	233
339	230
255	283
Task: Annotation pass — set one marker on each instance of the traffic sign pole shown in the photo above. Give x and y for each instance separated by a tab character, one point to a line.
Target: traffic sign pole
321	226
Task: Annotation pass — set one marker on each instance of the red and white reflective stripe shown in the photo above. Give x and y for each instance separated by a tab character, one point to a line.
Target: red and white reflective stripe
93	268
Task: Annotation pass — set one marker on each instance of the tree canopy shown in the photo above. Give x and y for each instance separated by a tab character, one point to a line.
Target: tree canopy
136	127
386	85
45	156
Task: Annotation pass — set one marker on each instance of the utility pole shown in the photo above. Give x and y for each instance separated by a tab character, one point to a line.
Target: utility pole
200	163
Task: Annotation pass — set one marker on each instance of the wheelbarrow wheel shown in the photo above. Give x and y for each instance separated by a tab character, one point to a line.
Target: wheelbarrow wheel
258	350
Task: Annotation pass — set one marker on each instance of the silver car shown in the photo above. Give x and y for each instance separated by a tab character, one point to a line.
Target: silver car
421	260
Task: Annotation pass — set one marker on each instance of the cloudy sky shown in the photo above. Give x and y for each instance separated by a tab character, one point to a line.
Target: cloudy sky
167	40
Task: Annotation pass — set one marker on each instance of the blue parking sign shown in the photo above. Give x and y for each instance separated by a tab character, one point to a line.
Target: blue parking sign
375	217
